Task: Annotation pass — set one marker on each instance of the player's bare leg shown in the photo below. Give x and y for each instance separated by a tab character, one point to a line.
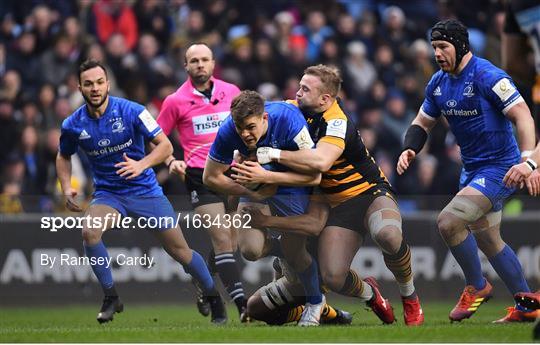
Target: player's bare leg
488	236
95	249
467	207
383	220
222	257
337	248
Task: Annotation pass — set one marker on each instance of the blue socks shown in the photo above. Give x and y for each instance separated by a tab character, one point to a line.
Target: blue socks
466	254
199	271
310	281
507	266
102	272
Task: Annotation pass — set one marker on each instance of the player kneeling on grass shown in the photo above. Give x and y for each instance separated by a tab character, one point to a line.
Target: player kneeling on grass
112	132
282	300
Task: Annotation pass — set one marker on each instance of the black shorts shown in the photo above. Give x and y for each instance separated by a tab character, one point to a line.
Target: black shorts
351	213
200	195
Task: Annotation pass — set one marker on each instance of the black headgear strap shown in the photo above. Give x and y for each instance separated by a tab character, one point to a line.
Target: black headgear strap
454	32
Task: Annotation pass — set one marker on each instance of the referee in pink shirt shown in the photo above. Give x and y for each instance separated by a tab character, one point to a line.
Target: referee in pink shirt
196	110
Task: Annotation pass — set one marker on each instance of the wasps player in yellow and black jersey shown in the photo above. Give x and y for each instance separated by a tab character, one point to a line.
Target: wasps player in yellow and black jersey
355	171
360	196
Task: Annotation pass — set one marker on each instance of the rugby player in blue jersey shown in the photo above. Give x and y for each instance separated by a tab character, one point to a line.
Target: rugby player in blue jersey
480	102
252	124
112	132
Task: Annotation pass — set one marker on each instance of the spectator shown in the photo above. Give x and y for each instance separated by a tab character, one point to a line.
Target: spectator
24	59
42	22
359	73
345	30
9	131
46	98
114	16
284	23
10	87
152	67
388	69
315	31
394	32
153	18
58	60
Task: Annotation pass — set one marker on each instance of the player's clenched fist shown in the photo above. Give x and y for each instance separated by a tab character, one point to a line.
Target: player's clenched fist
404	160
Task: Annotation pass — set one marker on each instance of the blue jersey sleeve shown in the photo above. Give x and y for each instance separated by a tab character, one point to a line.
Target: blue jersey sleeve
223	147
297	131
499	89
429	107
69	140
145	123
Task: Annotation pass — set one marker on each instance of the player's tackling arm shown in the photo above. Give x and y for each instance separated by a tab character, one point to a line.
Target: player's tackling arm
317	160
215	179
310	224
253	172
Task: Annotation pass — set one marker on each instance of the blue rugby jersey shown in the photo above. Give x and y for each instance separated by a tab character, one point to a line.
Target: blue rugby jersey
475	103
123	128
287	130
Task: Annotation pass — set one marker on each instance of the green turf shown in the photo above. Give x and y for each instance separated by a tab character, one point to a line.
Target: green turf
181	323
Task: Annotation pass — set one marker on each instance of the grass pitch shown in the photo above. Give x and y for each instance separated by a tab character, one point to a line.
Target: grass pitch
182	323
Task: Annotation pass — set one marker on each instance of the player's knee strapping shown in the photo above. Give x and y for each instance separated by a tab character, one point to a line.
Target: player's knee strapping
488	221
380	219
464	208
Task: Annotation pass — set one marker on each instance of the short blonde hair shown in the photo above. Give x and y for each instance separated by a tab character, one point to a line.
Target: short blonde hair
330	78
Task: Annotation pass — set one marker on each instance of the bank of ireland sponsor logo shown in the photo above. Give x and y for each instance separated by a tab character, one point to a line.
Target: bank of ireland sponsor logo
208	123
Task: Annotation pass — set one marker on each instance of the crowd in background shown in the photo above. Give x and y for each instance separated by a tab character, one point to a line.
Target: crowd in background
381	48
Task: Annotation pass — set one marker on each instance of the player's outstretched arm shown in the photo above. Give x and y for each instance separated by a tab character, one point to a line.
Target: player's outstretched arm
131	168
310	224
63	170
415	138
253	172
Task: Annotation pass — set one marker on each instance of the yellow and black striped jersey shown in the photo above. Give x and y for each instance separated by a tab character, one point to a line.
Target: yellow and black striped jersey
355	171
